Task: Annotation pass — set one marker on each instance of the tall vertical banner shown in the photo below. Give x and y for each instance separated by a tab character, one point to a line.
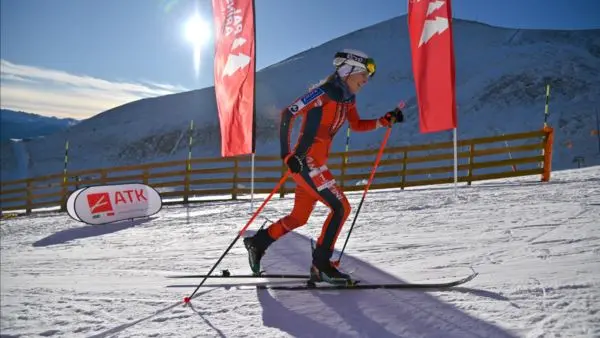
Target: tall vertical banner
234	69
431	43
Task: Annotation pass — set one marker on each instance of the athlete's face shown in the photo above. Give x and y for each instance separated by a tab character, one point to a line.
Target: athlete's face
356	81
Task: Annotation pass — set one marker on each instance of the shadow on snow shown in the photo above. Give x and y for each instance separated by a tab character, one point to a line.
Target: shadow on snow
364	313
67	235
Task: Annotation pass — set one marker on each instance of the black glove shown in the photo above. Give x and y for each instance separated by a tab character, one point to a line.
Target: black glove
394	116
295	163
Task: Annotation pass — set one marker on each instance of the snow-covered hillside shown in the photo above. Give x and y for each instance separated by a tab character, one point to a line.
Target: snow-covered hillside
20	125
535	245
501	79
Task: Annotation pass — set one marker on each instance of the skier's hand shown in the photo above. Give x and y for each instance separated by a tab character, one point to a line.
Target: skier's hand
295	163
391	117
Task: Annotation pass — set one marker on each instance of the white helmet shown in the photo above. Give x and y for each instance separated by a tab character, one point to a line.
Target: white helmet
351	61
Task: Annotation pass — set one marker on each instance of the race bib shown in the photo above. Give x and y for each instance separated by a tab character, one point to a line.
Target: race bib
306	100
322	178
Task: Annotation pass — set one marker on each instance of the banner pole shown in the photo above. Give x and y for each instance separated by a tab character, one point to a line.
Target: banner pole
455	164
253	107
252	186
188	168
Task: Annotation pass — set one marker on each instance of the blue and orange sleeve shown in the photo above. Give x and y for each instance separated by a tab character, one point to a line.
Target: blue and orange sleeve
308	131
356	124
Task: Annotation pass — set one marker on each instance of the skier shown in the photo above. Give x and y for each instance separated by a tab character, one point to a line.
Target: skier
323	110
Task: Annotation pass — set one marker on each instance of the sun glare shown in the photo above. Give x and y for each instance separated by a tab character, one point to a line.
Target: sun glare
197	32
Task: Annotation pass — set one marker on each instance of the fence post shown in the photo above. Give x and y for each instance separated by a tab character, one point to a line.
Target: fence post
235	178
404	160
64	193
145	176
471	158
29	202
548	141
186	182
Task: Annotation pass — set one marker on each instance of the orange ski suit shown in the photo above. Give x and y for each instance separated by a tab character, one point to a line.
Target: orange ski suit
323	110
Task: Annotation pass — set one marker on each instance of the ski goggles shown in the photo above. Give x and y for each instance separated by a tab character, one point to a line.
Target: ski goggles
367	63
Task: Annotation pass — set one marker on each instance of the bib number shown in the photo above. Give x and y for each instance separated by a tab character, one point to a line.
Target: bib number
322	178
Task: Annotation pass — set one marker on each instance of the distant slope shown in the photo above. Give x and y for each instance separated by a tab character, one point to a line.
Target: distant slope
21	125
501	77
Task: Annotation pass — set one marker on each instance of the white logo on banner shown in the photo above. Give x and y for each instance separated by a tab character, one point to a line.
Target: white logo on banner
111	203
238	42
234	25
436	26
235	63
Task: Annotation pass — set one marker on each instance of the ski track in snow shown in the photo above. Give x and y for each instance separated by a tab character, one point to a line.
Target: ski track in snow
535	245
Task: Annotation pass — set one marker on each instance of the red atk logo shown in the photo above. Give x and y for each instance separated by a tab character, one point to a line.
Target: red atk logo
99	202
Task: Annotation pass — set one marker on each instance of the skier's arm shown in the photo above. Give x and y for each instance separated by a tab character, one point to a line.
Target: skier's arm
356	124
310	126
312	121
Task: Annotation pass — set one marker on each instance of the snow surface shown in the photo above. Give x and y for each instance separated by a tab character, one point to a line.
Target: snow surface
501	77
536	247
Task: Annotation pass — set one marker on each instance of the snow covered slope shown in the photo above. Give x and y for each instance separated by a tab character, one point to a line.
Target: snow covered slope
536	247
501	79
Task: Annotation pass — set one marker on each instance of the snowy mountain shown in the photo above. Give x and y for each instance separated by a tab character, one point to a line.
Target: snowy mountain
22	125
501	78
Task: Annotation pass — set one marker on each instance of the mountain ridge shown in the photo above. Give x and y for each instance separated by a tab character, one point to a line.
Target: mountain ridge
501	74
20	125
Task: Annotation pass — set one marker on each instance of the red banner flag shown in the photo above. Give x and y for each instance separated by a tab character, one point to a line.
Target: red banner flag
430	31
234	69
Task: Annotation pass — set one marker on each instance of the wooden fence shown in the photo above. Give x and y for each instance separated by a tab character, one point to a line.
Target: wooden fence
227	178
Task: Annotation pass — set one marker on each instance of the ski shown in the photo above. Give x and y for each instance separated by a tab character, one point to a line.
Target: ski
309	285
227	274
312	286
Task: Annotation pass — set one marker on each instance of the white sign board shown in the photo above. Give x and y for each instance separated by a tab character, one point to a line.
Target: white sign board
71	203
111	203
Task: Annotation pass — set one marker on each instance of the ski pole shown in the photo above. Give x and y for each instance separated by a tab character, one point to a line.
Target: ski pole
240	233
381	148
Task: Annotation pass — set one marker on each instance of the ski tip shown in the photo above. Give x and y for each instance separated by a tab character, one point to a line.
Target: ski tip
186	300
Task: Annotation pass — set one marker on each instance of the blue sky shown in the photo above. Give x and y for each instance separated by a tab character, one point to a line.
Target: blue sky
77	58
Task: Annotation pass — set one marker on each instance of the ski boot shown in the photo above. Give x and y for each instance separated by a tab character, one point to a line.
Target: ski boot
330	274
256	246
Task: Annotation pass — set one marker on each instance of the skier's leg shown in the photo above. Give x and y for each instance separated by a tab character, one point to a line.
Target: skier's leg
304	203
320	182
313	183
256	245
